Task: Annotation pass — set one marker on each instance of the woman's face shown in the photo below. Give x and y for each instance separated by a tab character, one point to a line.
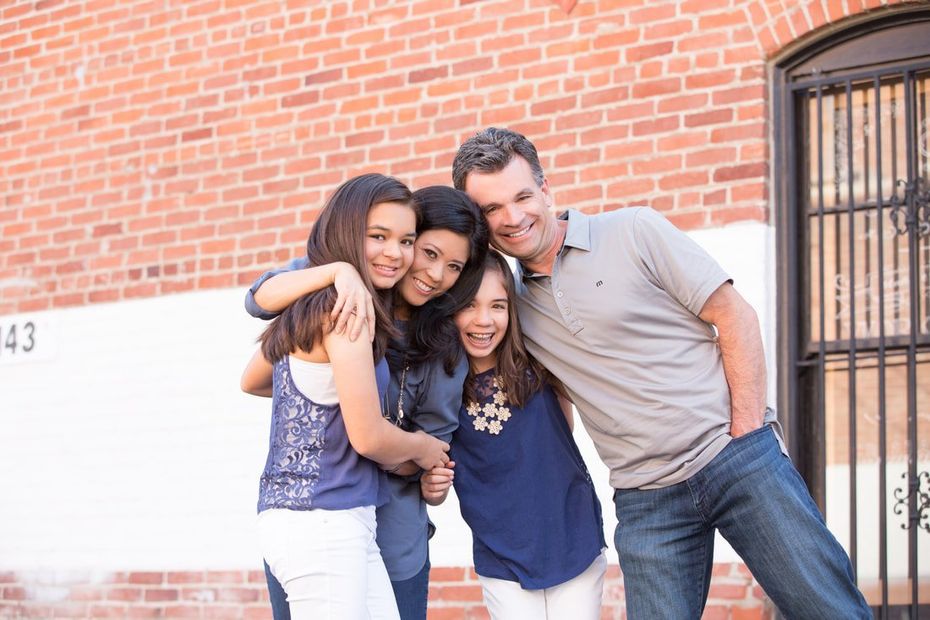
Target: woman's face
483	323
389	237
438	259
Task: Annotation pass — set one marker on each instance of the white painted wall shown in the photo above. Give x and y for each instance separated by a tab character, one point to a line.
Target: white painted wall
126	443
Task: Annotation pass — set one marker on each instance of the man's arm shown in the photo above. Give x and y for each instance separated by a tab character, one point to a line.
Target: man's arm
740	341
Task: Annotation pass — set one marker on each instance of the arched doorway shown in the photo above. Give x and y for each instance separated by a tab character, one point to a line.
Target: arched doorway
852	118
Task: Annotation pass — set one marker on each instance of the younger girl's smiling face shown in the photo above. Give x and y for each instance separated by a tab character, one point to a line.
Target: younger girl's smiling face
389	237
483	323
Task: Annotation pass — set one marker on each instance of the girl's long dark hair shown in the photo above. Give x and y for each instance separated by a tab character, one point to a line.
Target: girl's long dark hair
431	333
338	235
518	372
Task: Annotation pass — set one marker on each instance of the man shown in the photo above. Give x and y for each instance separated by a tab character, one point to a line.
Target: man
664	361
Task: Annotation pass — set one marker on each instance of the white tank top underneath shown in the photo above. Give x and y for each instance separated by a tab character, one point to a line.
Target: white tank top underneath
314	380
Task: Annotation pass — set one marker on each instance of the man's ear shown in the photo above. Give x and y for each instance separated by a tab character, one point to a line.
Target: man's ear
546	193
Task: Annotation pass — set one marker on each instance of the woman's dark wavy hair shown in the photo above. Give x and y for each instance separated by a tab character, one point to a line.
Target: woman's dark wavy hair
338	235
431	334
518	372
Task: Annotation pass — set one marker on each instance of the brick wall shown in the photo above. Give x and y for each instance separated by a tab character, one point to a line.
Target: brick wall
151	147
241	595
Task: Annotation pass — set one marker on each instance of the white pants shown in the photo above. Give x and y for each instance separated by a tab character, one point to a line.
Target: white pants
578	598
328	563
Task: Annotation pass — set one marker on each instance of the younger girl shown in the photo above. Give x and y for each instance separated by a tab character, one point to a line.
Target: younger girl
319	490
522	485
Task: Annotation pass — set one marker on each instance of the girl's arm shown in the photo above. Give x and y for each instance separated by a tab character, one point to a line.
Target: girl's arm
369	433
353	307
257	377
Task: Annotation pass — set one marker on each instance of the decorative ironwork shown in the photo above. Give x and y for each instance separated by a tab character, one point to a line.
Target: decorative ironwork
922	207
913	209
921	515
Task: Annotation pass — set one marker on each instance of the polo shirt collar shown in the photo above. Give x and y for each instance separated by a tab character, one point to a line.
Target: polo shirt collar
577	235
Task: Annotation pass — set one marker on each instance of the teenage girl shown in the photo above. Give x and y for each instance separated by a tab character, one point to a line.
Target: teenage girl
321	484
427	365
522	485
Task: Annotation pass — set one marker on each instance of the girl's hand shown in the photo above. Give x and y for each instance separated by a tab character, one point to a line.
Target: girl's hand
354	307
432	452
435	484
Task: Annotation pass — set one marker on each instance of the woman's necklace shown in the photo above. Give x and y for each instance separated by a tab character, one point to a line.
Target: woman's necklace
400	396
492	416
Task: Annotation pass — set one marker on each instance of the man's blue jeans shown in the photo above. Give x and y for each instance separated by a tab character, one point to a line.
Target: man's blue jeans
752	493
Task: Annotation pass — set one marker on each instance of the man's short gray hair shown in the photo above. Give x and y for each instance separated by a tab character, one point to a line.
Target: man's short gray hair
490	150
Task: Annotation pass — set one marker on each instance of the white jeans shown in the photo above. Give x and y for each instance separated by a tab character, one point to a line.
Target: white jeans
328	563
578	598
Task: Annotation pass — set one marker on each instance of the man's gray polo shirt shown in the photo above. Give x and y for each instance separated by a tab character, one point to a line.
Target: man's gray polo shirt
617	323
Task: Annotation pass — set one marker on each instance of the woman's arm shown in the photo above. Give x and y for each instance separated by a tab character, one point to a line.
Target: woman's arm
407	468
257	377
369	433
435	409
353	308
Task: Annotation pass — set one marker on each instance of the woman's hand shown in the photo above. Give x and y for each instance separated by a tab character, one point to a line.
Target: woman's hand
354	306
432	452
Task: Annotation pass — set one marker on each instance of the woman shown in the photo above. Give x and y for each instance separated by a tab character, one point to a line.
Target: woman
427	367
318	495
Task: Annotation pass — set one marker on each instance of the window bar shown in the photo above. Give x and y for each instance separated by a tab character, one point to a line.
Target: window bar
866	220
882	430
923	239
837	228
851	244
896	252
911	142
821	268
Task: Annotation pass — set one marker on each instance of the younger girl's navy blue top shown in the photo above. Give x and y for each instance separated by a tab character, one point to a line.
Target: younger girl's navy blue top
524	489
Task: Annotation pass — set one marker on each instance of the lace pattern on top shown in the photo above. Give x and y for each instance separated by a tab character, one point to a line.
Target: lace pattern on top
298	429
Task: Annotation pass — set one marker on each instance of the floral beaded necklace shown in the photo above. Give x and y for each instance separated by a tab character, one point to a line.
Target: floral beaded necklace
492	416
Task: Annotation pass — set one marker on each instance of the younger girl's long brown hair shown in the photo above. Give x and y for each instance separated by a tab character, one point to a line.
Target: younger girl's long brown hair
518	372
337	235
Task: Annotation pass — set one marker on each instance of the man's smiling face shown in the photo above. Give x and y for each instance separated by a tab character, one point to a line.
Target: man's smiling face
517	210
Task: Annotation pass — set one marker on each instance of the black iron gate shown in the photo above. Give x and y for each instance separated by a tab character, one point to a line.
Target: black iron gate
854	231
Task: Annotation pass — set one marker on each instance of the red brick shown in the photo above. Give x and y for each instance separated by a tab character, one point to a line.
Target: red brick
182	611
713	117
301	99
652	88
683	179
747	613
425	75
744	171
